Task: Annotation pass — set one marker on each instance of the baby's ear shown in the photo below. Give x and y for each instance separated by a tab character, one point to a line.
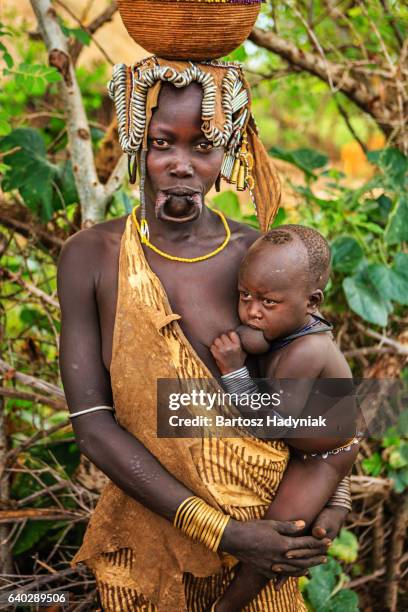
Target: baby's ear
315	300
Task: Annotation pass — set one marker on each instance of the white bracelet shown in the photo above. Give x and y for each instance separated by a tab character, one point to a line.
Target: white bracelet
89	410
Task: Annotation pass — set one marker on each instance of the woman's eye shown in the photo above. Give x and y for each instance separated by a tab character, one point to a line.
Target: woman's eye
160	142
205	146
268	302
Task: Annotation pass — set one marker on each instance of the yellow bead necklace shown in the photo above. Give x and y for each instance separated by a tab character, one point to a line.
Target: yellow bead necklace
151	246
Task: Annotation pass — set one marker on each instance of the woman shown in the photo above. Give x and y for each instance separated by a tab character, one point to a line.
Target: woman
139	306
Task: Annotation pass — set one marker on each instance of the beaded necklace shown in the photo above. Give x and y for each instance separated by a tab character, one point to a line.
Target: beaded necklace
145	240
318	325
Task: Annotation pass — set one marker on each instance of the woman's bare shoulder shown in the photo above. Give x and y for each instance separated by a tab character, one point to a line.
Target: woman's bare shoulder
243	233
88	246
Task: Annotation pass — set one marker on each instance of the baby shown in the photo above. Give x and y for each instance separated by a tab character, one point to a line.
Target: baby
281	283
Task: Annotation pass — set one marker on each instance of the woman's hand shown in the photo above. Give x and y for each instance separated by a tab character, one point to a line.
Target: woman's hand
228	353
327	525
270	545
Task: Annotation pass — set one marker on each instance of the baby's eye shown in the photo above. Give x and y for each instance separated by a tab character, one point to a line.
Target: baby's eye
205	146
268	302
244	295
159	142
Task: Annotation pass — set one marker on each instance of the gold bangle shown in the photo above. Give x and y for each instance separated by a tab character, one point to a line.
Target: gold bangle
202	523
197	521
184	509
180	508
211	534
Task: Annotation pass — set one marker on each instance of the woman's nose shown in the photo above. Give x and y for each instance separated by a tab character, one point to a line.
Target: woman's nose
181	167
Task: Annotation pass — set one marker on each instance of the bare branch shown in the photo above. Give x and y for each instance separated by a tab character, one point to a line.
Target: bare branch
93	27
29	287
92	195
398	346
30	381
83	27
40	514
33	397
386	102
392	23
347	121
14	217
314	64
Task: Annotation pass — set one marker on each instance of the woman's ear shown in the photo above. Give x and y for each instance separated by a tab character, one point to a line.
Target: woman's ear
314	301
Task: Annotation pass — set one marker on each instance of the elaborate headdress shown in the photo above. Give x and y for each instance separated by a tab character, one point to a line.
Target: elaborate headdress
226	116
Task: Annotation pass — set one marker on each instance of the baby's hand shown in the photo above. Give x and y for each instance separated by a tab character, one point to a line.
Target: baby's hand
227	352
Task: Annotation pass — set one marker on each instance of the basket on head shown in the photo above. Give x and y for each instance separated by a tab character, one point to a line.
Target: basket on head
189	29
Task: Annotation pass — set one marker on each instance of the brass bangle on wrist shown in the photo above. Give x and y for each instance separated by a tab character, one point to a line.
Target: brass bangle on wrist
202	523
342	495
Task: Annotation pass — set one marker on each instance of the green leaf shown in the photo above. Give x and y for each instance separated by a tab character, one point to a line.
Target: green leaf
391	438
365	299
66	186
393	164
346	254
322	583
30	171
239	55
228	202
373	465
306	160
399	479
32	533
34	78
397	227
381	212
280	218
82	36
345	600
392	282
6	56
399	457
403	423
77	33
345	547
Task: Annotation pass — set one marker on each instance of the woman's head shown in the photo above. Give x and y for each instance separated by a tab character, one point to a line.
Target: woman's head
171	92
182	164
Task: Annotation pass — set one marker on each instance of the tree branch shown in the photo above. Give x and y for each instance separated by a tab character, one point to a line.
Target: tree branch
93	196
93	27
400	348
29	287
40	514
14	217
30	381
83	27
332	73
33	397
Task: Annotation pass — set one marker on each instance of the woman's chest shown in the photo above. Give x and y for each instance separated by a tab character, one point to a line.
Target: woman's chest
205	299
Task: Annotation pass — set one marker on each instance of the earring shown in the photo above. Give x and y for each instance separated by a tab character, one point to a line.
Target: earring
132	171
144	228
218	183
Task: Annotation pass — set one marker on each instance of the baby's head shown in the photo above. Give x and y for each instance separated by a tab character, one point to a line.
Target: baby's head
281	280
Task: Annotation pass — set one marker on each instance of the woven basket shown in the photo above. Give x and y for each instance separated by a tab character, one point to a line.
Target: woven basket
188	30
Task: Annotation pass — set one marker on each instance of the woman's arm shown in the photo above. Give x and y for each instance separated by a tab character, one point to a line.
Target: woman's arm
113	449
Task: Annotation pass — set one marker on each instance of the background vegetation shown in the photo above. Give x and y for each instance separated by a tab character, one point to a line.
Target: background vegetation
330	97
